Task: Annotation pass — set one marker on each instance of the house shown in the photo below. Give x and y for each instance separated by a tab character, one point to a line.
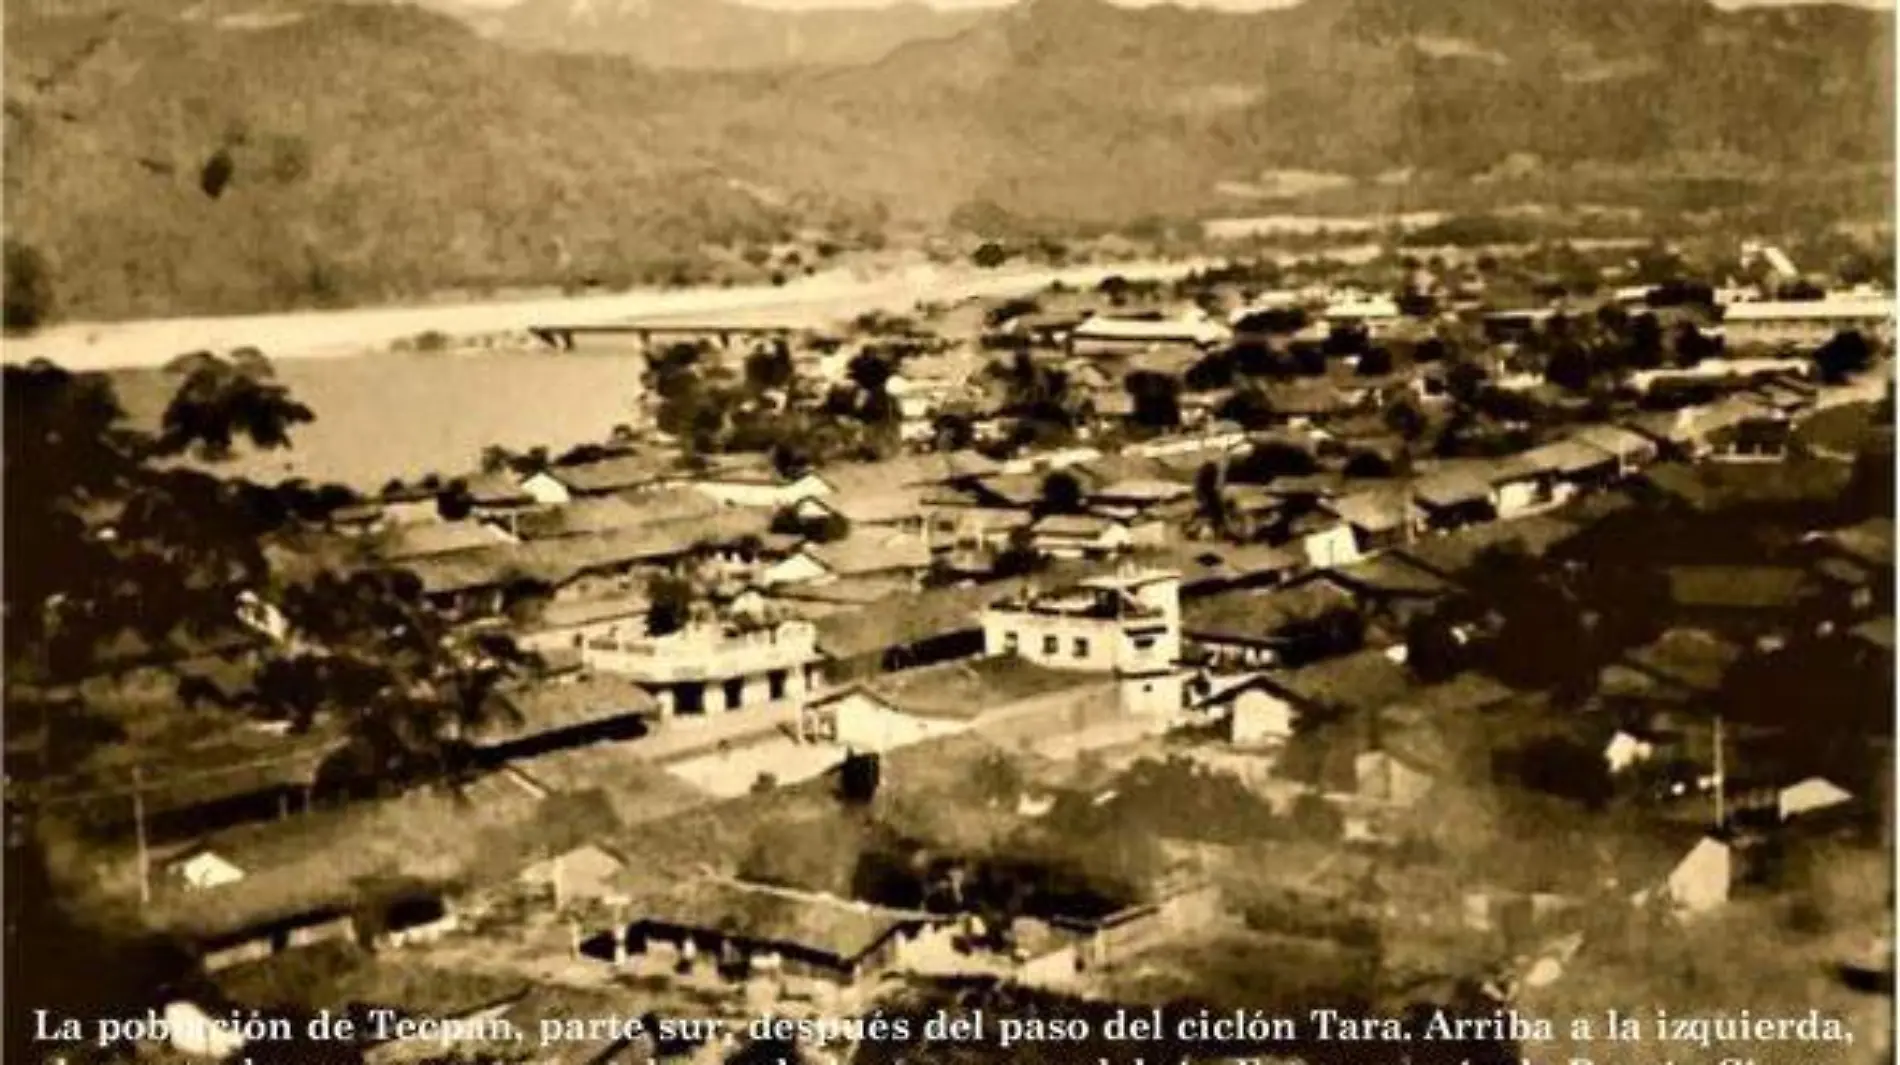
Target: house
1207	567
980	528
752	930
585	517
584	874
609	476
1376	518
903	631
1132	500
1626	750
1754	600
1384	585
497	497
858	555
566	711
1856	561
1632	451
1127	623
860	718
1106	335
1717	489
203	869
1324	543
1556	472
1682	666
1722	372
1456	497
1251	628
1806	323
1811	796
766	489
425	540
1390	778
1701	881
1374	314
1080	536
1349	684
1452	555
712	668
410	504
565	624
1511	326
1722	427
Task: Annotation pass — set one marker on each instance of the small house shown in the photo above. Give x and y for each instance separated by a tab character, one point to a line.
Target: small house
1081	536
203	869
1700	883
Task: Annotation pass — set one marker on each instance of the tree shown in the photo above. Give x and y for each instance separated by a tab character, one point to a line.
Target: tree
953	431
989	255
1375	362
1844	355
1560	766
858	778
769	368
1210	498
28	288
1157	400
1273	458
187	541
1435	651
218	171
669	604
1570	367
1404	418
1061	494
1692	345
1368	464
1249	408
455	503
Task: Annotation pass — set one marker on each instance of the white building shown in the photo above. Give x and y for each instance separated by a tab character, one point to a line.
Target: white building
1127	625
707	669
1808	322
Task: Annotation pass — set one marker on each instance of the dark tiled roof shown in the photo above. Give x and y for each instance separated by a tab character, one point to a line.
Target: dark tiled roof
1359	681
833	930
1739	587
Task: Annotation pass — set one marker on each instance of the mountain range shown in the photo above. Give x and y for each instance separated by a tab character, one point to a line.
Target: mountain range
217	155
713	34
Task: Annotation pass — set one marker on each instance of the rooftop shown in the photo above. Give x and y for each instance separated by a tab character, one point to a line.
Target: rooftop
870	552
1360	681
1690	658
833	929
424	539
563	703
612	475
1254	614
1739	587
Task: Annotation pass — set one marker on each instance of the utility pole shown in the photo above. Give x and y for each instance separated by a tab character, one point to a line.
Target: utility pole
138	827
1721	777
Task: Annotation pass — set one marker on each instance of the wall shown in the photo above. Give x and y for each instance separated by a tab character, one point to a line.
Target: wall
1336	546
863	723
1516	497
765	495
1109	645
1260	718
546	490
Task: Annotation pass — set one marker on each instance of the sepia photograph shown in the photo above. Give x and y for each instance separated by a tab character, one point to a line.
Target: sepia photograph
936	532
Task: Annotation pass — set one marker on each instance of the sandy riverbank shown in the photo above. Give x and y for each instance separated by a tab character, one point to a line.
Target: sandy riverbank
809	301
